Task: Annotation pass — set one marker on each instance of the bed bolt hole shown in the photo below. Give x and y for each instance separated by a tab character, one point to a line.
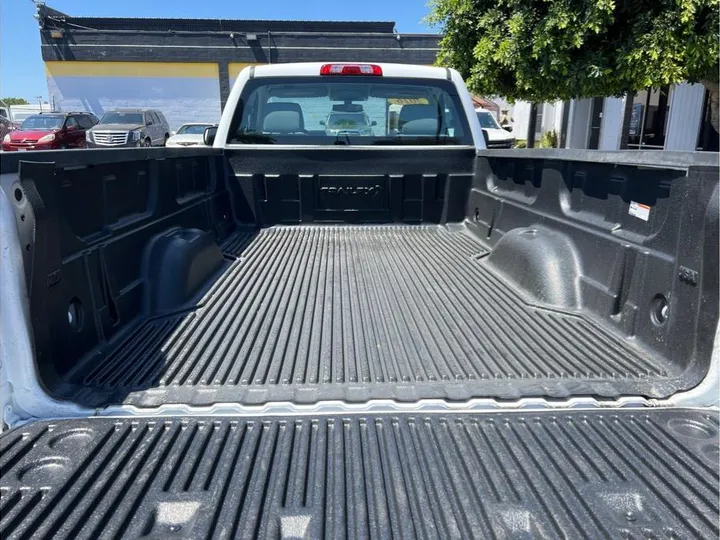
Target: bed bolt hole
18	194
660	309
75	314
477	214
22	217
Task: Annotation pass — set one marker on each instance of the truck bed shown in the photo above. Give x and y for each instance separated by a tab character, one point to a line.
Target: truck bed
358	312
267	275
581	474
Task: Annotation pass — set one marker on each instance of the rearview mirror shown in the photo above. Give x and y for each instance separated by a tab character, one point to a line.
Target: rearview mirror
373	123
149	123
173	133
322	122
507	127
209	135
348	95
71	128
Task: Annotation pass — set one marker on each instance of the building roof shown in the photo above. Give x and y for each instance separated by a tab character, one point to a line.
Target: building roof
485	103
52	18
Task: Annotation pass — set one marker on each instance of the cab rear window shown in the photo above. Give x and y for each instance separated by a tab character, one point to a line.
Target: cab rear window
349	110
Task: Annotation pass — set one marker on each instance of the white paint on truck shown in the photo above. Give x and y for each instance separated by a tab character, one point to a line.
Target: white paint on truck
312	69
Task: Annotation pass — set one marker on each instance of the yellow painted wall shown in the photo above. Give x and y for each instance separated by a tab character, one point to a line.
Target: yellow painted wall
234	70
131	69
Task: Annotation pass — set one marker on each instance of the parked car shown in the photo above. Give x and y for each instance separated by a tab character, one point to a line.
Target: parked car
348	120
49	131
188	135
497	137
4	111
129	128
5	126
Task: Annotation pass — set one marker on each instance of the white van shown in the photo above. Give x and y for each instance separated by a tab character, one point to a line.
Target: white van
19	113
497	136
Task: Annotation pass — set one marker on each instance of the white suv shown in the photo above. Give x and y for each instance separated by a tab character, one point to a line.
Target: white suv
348	122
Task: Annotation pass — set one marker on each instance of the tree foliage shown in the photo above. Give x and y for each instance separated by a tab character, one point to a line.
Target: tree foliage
14	101
543	50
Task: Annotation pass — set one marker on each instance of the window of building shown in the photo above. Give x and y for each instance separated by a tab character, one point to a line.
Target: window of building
596	117
564	124
649	118
708	135
539	119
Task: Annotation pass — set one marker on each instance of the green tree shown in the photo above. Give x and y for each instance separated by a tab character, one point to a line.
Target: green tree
544	50
14	101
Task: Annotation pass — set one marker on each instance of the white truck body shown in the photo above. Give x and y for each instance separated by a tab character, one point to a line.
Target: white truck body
312	69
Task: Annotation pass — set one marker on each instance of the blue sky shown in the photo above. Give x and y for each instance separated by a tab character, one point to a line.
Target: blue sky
21	68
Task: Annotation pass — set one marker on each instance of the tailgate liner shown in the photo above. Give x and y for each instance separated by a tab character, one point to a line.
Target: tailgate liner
581	474
309	313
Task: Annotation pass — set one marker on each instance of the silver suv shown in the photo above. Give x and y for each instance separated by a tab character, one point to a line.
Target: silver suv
129	128
348	121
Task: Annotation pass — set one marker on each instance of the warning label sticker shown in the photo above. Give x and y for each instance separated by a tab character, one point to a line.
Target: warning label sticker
638	210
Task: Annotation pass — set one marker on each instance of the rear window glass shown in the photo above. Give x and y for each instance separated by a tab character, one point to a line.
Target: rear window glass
43	122
349	110
117	117
193	129
487	120
85	121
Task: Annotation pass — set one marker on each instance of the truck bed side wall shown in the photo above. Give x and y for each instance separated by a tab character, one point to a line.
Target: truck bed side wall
637	245
92	275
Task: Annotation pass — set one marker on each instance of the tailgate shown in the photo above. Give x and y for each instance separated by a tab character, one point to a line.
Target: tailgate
541	474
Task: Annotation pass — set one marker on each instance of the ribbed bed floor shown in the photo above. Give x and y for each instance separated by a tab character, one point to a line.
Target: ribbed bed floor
545	475
357	312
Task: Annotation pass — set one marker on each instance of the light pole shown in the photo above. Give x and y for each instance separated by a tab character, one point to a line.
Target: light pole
39	98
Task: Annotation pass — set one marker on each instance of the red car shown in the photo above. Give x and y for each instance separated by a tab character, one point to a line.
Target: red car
49	131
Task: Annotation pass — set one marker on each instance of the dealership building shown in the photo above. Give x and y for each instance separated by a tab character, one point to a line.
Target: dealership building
186	67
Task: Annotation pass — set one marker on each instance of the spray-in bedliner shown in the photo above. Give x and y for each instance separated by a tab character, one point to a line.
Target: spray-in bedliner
577	474
308	313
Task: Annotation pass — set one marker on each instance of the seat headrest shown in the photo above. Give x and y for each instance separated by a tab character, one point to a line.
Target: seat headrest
282	122
416	112
422	126
284	106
